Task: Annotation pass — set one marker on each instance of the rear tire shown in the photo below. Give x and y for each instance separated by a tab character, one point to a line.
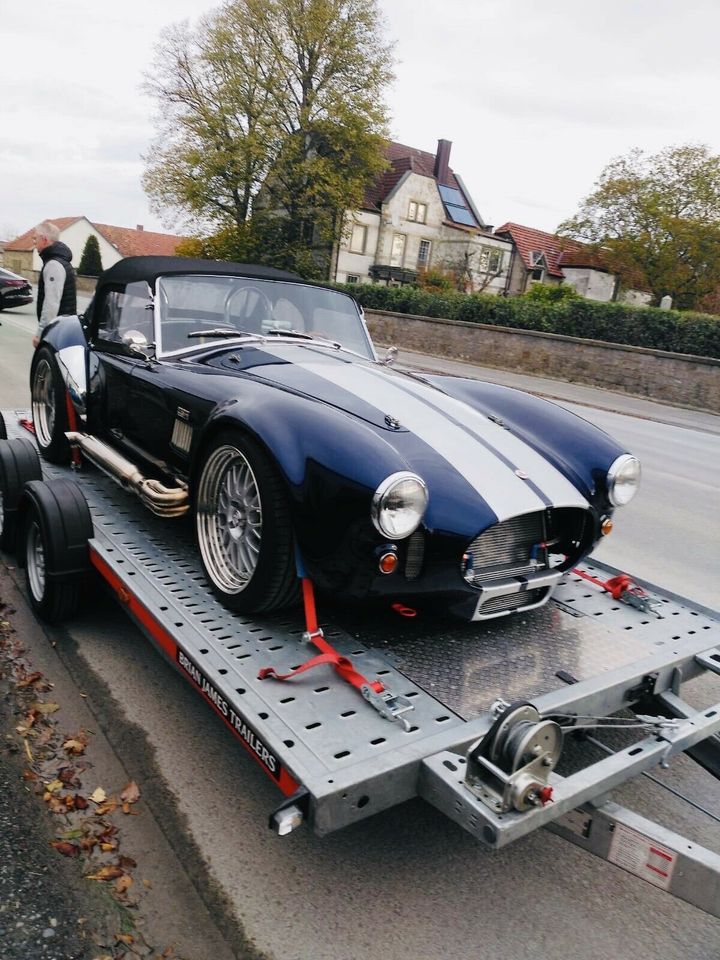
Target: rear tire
243	526
53	548
19	463
49	410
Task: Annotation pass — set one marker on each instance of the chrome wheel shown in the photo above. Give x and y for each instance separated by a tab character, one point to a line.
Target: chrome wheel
229	519
43	403
35	559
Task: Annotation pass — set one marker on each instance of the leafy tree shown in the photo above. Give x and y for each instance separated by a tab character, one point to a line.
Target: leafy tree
657	218
91	262
551	293
270	107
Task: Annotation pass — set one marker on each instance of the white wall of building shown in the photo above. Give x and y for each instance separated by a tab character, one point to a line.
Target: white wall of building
75	236
589	283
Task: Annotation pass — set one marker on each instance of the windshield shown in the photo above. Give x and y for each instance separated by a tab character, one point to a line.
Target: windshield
197	310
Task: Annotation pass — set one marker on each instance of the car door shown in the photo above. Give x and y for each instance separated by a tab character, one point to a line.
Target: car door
122	326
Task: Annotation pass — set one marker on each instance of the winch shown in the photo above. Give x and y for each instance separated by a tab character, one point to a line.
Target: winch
510	767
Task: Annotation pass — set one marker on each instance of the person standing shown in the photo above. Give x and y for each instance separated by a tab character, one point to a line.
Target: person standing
56	287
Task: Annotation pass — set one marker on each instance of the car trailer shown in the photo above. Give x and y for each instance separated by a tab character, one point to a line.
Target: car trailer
474	725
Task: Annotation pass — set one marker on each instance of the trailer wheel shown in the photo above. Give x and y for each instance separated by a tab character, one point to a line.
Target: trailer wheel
56	527
3	428
18	463
49	411
243	527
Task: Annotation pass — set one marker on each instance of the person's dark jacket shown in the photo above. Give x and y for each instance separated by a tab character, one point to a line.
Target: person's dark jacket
68	300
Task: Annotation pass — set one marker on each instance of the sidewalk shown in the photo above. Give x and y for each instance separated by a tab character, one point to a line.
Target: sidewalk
565	392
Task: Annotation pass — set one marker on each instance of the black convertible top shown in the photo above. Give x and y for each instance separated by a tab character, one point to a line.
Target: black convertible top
133	269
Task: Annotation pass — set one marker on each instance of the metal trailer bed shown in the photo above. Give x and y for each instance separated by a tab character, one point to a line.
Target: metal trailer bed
337	759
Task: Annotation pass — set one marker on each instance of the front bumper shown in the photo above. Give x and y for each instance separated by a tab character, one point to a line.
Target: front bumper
514	595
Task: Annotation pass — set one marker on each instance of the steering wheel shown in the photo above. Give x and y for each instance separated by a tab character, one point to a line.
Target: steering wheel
248	308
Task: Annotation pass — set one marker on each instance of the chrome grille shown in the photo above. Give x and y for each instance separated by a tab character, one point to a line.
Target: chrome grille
506	550
512	601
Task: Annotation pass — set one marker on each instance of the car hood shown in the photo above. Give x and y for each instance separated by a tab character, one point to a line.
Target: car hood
448	435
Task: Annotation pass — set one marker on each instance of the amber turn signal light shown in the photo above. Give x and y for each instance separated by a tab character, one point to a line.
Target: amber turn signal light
606	526
388	563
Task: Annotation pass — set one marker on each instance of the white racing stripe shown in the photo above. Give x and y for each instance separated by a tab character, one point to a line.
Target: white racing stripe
426	412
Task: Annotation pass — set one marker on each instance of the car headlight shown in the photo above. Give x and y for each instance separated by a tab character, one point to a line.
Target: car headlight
398	505
623	479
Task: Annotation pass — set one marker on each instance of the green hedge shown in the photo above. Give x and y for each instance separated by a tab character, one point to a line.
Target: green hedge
695	333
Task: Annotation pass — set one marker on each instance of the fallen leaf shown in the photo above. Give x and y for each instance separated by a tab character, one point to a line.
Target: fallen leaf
108	847
33	678
124	938
80	802
108	807
123	883
87	843
65	848
74	746
131	793
30	775
106	873
54	786
98	795
127	863
44	708
147	884
71	835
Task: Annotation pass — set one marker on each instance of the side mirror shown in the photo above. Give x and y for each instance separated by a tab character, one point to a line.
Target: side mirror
136	342
390	356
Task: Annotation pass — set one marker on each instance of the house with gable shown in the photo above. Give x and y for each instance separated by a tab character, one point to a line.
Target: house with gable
115	243
419	214
540	257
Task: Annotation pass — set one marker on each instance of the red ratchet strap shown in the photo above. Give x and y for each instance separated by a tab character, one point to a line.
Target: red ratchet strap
623	588
615	586
328	654
27	424
72	424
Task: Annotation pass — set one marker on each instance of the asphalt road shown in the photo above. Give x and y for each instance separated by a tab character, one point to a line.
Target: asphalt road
407	883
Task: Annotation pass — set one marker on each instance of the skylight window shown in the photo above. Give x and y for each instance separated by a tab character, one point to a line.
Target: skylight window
456	206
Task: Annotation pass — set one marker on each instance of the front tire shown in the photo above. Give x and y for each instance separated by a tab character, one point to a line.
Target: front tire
19	463
243	527
49	410
53	548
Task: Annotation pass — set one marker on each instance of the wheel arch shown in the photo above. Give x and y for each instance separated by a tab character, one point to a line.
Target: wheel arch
65	337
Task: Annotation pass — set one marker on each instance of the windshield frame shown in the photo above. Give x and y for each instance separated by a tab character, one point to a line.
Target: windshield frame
274	338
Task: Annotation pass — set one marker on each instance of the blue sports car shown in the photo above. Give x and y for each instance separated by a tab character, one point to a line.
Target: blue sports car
255	402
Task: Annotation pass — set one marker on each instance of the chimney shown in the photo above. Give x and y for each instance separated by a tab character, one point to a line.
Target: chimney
139	227
442	161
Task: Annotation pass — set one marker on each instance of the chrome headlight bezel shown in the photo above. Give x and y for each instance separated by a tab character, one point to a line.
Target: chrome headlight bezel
624	475
381	503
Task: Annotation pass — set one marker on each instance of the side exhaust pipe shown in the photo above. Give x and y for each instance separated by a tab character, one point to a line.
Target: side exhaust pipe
163	501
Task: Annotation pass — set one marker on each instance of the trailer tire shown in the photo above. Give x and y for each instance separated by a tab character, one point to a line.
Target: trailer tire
243	526
19	463
53	547
49	410
3	428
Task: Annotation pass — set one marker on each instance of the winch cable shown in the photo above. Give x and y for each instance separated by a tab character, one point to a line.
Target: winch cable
665	786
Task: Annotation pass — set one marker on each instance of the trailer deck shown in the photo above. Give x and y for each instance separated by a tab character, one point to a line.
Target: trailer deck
338	760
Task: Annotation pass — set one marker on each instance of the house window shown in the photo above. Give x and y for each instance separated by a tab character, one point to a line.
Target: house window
417	212
351	278
358	238
424	253
537	275
398	250
495	265
484	261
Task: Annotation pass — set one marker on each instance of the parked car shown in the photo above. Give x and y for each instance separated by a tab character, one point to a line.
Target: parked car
15	291
256	402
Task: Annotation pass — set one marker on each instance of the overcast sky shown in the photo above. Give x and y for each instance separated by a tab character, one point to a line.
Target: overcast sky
535	97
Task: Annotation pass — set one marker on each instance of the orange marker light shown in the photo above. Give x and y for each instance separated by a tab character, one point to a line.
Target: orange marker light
606	526
388	563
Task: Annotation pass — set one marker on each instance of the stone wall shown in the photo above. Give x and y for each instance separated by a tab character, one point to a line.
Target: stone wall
678	379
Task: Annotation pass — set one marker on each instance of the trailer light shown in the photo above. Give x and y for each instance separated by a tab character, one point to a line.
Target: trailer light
388	562
398	505
606	526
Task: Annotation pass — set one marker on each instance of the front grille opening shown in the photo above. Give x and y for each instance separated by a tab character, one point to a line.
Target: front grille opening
512	601
513	548
527	544
415	555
